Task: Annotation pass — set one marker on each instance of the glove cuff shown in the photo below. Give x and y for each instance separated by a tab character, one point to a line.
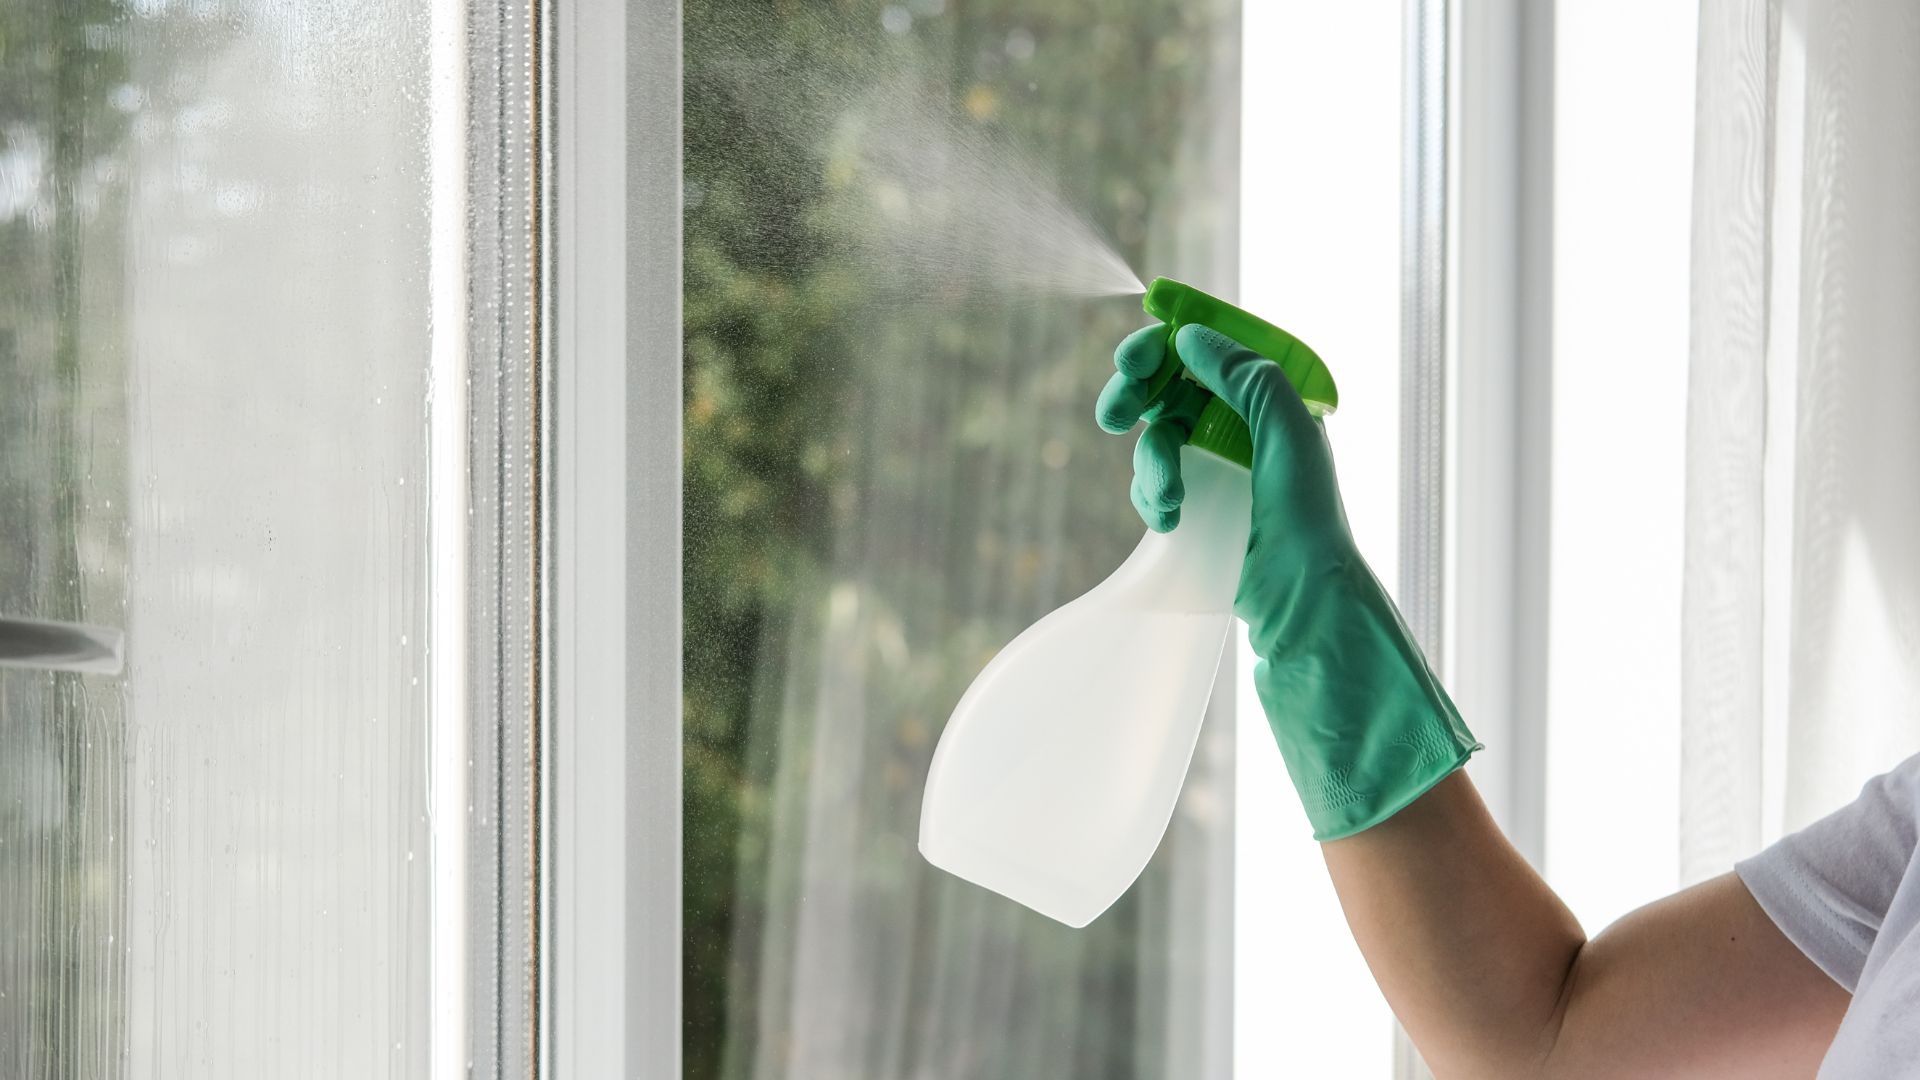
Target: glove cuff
1362	723
1337	809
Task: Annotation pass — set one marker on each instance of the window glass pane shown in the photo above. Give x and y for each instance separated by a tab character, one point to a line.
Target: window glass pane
891	469
213	341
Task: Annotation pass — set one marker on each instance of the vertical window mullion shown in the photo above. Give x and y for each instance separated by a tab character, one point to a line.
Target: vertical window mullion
612	972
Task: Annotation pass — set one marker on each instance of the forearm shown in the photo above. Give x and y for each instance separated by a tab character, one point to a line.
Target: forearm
1471	948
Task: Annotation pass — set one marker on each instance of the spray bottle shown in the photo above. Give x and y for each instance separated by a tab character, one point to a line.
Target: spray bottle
1058	772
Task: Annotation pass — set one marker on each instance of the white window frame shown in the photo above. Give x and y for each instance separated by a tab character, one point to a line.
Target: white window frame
490	526
1498	313
1476	494
611	977
1477	340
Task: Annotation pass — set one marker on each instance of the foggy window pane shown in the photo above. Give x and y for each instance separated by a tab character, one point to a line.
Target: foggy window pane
213	347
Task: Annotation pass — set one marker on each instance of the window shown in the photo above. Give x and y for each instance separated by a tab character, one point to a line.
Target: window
891	469
233	360
548	472
213	340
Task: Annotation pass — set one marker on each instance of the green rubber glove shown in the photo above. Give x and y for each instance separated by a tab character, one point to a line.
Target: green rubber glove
1364	726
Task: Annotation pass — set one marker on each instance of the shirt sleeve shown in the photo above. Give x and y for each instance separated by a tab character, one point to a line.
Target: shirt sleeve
1828	886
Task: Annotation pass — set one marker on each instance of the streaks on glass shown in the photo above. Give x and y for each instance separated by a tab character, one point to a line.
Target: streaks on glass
63	538
62	855
213	232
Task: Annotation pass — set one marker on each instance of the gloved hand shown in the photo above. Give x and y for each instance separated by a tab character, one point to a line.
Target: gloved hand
1363	725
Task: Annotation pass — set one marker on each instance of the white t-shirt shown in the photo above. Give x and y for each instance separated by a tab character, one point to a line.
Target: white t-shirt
1846	890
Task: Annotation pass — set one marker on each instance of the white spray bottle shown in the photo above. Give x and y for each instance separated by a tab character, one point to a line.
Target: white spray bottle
1057	775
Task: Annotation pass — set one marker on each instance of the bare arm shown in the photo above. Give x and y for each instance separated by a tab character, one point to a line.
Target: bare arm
1493	977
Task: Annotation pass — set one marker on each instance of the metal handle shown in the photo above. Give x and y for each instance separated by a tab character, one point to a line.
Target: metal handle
60	646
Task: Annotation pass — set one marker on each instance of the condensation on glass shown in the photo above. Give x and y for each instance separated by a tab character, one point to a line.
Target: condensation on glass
213	392
891	468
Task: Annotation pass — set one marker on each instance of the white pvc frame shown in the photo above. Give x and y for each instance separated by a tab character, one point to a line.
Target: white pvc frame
611	974
1477	400
1499	376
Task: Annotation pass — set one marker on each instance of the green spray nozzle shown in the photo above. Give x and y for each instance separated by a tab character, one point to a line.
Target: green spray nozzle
1219	430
